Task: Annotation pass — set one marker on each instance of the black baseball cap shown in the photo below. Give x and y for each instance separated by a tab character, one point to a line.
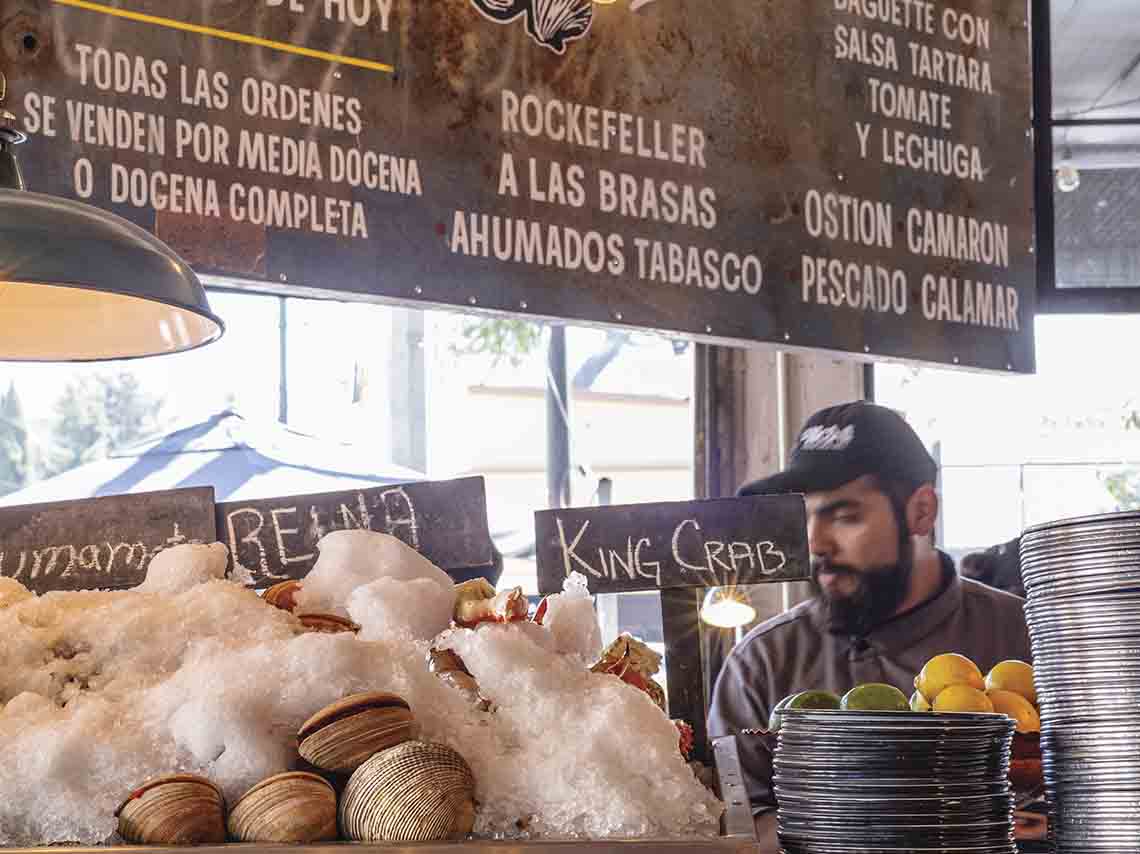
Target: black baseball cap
843	443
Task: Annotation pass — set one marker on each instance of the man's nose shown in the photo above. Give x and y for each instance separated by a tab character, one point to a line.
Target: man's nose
820	543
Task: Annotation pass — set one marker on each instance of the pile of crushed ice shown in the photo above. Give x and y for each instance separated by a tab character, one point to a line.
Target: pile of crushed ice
100	691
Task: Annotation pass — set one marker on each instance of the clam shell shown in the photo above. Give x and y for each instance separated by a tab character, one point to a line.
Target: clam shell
292	807
283	595
337	781
179	809
415	792
329	624
340	737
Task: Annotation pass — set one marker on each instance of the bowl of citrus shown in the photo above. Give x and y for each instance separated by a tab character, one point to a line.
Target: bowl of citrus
953	683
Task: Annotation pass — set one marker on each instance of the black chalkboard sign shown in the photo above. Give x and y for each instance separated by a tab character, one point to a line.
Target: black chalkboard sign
276	538
749	540
100	543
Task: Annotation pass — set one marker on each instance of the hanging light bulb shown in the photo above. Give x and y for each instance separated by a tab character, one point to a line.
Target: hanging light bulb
1068	176
727	608
80	284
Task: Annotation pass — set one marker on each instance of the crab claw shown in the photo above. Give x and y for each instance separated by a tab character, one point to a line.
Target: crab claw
686	737
506	607
540	611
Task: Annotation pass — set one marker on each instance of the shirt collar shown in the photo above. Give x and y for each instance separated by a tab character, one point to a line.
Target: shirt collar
909	628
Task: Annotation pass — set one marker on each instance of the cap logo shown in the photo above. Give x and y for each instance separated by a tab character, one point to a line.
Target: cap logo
827	438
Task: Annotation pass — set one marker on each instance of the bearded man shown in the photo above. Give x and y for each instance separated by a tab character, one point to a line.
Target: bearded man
886	600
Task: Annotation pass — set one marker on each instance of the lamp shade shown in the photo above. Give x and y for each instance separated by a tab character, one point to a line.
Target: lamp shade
727	608
80	284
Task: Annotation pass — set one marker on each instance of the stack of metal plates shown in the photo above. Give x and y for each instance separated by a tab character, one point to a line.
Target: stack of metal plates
855	782
1082	578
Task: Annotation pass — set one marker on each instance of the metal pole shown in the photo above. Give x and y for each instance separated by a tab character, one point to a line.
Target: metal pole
407	413
605	492
940	521
558	462
786	439
283	344
783	415
1084	123
1041	32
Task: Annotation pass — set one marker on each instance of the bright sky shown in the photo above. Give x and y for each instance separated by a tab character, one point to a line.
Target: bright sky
1083	379
1017	451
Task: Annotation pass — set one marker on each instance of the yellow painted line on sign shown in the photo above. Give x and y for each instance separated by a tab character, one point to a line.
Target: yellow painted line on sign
241	38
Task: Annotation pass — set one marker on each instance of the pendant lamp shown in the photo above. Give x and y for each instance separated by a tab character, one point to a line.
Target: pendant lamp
727	608
81	284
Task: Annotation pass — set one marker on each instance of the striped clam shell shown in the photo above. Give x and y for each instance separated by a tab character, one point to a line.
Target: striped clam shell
416	792
292	807
179	809
340	737
329	624
283	595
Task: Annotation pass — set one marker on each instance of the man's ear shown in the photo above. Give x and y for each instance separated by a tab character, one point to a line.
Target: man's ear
922	511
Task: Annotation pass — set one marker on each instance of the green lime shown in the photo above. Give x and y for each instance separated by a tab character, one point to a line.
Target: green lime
814	700
802	700
776	719
918	702
875	697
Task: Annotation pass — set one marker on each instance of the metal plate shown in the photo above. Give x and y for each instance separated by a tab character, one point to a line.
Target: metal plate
886	781
1083	614
1098	521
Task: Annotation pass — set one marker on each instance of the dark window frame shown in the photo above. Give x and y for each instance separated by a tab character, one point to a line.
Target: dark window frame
1050	298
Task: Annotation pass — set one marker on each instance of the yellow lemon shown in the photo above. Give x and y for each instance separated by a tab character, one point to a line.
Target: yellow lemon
1015	676
962	698
1018	708
945	670
918	702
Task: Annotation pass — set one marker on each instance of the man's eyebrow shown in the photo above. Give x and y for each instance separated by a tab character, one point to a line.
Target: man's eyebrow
835	506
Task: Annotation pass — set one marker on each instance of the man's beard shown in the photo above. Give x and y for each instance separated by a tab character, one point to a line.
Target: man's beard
879	592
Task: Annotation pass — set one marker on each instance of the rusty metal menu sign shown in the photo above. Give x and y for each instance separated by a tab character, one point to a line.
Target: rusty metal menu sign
844	174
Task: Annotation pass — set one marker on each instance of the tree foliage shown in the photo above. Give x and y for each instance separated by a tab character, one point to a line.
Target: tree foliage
501	338
15	463
97	414
1124	487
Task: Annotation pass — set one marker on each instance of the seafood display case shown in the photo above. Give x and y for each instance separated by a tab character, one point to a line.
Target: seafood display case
374	701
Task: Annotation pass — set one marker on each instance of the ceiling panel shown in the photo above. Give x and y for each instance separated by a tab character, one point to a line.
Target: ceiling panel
1096	58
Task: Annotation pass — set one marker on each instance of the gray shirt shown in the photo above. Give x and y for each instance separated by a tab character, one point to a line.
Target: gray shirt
795	652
